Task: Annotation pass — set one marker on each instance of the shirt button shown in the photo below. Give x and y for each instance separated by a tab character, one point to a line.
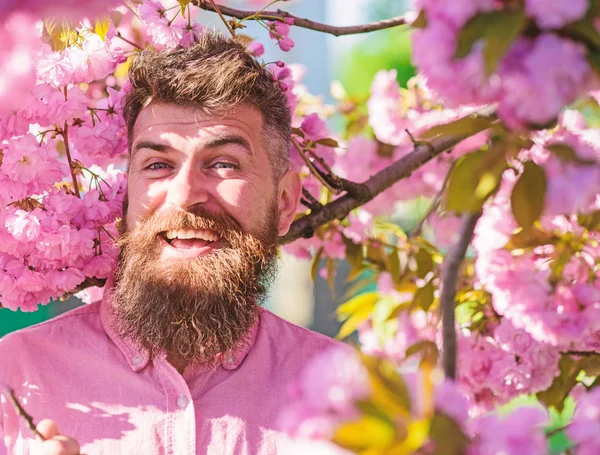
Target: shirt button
182	401
138	360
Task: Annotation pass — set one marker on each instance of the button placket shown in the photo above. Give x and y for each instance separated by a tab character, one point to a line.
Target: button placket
182	401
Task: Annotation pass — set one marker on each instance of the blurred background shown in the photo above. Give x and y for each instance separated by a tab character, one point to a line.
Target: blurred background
352	60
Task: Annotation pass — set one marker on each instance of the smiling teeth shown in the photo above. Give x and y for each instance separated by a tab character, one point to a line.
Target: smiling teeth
203	234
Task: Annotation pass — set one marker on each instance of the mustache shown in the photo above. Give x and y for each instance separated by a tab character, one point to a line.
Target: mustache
197	219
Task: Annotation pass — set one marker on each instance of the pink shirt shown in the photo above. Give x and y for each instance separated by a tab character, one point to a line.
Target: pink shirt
109	396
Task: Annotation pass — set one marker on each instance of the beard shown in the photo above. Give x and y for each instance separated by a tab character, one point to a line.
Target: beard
195	309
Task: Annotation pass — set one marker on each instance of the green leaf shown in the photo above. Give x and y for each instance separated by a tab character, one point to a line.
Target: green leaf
424	297
585	30
466	192
101	26
567	154
498	30
448	436
563	383
393	263
355	257
316	262
424	263
328	142
590	221
368	432
183	4
365	300
529	238
527	198
56	33
420	21
427	348
330	266
466	312
467	126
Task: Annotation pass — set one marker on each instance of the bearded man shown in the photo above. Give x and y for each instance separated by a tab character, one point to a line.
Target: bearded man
179	357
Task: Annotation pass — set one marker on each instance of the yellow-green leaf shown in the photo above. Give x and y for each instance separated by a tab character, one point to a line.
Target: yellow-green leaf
424	263
56	33
527	198
448	436
468	125
567	154
316	262
328	142
590	221
330	267
101	26
393	263
562	385
366	300
585	29
420	21
368	432
498	30
465	191
424	297
183	4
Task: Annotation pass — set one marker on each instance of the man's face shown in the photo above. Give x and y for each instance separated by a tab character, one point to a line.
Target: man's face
200	234
182	158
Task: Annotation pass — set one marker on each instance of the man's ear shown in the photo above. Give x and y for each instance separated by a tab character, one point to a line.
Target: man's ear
288	194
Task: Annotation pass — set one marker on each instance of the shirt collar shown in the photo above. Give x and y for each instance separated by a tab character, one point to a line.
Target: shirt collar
138	357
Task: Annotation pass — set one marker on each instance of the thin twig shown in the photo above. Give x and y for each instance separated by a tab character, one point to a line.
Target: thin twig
65	135
435	203
217	8
87	283
301	22
21	412
357	190
450	269
128	41
310	201
313	169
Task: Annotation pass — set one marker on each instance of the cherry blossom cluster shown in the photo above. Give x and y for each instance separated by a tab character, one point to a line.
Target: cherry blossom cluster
531	78
336	389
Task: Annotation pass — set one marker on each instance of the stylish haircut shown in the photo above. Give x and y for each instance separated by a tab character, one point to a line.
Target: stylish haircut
214	75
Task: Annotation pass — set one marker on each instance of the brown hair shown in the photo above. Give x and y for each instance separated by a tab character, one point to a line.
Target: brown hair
215	75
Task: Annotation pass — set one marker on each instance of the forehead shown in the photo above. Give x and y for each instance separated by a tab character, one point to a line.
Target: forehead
164	117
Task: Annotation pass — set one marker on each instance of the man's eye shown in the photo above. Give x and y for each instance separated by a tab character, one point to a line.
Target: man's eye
157	166
224	165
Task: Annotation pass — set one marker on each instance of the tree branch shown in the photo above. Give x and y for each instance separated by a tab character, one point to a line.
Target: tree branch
398	170
301	22
450	269
21	412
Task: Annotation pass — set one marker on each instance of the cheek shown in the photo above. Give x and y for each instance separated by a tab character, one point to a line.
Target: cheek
244	198
141	200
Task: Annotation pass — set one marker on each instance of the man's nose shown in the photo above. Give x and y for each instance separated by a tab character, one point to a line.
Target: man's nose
189	187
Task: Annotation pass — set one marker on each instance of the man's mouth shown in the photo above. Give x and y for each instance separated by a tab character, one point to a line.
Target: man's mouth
187	239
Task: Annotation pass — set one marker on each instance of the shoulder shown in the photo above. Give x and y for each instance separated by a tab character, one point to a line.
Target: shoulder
64	329
286	336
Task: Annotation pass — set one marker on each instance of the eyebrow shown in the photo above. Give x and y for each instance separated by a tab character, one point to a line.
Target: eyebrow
150	145
221	141
211	144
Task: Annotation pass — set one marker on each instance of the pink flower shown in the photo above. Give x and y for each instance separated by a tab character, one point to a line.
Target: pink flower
19	44
540	77
584	429
555	13
325	394
520	432
384	108
256	48
279	31
314	127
